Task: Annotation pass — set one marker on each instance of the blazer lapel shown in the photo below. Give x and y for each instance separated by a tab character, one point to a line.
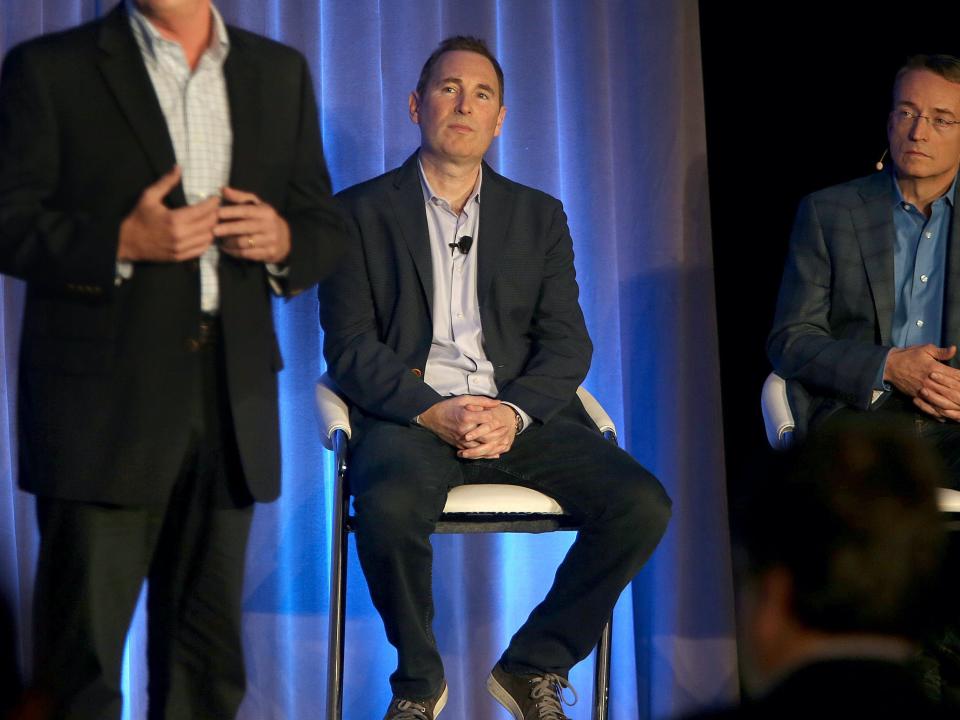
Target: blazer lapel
242	80
122	67
407	202
496	209
951	292
873	225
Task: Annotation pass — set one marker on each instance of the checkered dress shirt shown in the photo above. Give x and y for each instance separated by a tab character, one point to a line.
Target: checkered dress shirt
195	106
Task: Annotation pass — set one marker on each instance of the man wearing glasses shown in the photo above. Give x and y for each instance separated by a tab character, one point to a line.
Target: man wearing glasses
868	318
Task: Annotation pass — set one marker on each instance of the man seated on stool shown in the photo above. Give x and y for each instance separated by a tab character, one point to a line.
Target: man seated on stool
840	574
868	317
454	329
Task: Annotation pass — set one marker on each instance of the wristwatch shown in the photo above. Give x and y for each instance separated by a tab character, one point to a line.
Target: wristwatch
519	425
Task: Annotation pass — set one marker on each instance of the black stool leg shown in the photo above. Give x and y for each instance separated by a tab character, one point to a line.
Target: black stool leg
338	582
601	673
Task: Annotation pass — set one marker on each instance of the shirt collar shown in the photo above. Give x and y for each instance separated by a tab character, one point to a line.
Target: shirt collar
150	38
899	200
429	194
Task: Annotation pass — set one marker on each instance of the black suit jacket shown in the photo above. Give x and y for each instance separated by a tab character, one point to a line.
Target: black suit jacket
834	316
840	688
105	369
376	310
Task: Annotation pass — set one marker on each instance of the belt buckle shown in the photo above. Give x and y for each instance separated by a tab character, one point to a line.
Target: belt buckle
206	331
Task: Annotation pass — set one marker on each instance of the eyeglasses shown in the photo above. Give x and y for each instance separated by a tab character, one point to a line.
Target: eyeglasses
940	124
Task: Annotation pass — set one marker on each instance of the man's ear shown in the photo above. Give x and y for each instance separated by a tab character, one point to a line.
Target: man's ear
764	625
773	601
414	107
500	117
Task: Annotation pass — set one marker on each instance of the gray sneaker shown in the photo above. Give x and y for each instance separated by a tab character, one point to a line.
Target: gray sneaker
530	697
425	709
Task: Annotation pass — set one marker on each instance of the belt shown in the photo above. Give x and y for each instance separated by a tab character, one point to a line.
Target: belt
208	333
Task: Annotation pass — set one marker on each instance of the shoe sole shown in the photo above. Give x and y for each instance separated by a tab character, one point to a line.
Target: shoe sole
441	701
501	695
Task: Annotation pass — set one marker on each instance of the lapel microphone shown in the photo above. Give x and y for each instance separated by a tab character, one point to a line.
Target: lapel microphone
879	164
463	245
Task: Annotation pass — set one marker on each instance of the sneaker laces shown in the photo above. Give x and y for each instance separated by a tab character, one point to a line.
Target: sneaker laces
410	710
548	693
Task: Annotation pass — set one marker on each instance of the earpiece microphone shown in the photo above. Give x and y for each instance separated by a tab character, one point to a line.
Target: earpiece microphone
880	161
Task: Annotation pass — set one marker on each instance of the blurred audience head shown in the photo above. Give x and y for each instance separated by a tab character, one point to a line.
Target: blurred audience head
842	542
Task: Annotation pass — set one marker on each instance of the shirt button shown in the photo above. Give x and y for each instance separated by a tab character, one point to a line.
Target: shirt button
928	235
923	278
919	323
459	315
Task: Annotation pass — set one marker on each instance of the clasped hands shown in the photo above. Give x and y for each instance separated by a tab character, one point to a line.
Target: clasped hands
248	228
479	427
919	371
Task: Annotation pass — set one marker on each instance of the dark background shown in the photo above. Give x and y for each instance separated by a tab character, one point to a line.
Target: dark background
797	96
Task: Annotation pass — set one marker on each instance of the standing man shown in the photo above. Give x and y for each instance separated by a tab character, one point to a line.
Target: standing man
454	330
161	175
869	311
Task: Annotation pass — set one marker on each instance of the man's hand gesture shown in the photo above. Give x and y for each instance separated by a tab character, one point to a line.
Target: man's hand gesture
154	232
919	371
479	427
252	230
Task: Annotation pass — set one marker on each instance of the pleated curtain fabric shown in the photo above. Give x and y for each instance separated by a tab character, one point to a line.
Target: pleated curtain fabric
605	111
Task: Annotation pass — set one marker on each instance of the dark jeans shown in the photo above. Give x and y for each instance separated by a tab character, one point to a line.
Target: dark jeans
899	410
400	476
94	559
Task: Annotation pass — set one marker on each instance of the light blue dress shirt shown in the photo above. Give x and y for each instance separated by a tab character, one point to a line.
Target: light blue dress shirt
919	271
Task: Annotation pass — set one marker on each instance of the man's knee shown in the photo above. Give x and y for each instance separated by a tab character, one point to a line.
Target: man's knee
642	503
391	509
399	477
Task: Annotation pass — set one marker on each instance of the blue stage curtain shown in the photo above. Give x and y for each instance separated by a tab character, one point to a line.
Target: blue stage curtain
605	111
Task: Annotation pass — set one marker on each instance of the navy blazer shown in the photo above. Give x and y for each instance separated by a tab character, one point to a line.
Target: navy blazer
376	310
106	379
834	319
